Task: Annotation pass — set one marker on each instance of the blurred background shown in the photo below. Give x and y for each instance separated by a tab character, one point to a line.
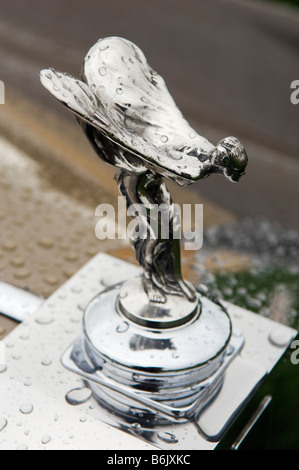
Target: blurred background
229	65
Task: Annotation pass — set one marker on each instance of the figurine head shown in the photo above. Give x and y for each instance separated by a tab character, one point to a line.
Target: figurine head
230	158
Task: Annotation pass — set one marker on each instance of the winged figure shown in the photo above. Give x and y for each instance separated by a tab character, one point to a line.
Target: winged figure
133	123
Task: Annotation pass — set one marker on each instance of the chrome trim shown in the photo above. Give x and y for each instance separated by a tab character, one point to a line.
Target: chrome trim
16	303
258	413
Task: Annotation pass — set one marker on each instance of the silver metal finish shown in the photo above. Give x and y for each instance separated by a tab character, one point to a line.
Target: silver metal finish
63	413
173	339
131	120
260	410
16	303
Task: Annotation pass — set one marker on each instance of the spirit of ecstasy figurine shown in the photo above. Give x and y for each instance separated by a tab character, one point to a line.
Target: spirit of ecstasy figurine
173	351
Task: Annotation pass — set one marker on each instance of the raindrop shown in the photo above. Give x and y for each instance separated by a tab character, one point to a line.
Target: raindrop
45	242
237	333
17	261
77	396
71	256
76	290
164	138
46	361
229	350
3	368
279	338
24	336
9	246
3	423
136	428
52	280
168	437
176	156
119	91
102	71
22	447
44	320
136	377
175	355
22	274
46	439
26	408
48	75
122	327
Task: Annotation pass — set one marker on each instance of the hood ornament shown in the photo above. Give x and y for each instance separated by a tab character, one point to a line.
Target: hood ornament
176	343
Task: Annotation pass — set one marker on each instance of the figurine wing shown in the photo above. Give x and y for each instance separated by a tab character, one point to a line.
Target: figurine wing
139	117
75	95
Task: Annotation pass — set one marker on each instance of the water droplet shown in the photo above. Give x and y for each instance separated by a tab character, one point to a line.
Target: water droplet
26	408
3	423
119	91
136	428
22	447
102	71
237	333
52	280
48	75
77	396
168	437
192	135
136	377
46	439
176	156
71	256
122	327
76	290
22	274
175	355
44	320
46	361
24	336
164	138
229	350
3	368
45	242
17	261
279	338
9	245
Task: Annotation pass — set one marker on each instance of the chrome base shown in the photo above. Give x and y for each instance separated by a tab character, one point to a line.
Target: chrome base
153	374
85	425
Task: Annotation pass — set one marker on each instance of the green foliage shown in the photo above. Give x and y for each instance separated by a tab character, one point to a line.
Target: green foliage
256	289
